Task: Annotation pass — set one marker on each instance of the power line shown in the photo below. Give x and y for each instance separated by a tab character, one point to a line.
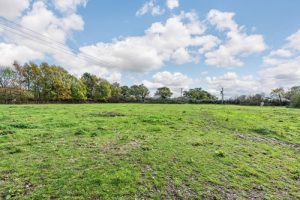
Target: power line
41	39
22	28
46	43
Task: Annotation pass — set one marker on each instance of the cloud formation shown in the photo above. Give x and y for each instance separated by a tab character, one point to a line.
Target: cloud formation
150	7
68	6
175	81
12	9
238	43
173	41
233	84
172	4
282	65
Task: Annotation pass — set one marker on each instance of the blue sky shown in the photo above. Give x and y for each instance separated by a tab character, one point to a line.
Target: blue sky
250	46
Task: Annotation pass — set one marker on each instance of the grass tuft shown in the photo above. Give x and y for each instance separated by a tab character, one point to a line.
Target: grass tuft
107	114
264	131
220	153
7	132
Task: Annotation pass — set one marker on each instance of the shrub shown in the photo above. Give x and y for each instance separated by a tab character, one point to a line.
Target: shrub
295	101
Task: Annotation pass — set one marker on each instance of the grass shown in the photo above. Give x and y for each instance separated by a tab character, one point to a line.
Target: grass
129	151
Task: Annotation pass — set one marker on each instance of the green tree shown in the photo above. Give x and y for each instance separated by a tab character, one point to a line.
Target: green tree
7	77
103	91
55	83
295	100
91	82
125	91
78	90
199	94
293	91
163	92
115	90
140	92
144	91
278	93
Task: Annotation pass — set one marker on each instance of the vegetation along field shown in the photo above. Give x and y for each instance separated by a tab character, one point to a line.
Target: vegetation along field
136	151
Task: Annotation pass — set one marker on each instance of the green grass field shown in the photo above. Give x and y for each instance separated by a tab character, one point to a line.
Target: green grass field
135	151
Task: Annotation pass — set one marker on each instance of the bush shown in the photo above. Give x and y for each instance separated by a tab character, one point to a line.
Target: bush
295	101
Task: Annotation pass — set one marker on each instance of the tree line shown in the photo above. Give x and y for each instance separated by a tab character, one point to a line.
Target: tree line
46	83
278	97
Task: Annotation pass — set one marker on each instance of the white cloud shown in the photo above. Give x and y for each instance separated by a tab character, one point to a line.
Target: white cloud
281	69
45	22
13	8
208	42
41	28
222	20
238	44
294	41
172	4
282	65
150	7
284	53
285	73
172	80
68	6
9	53
233	85
175	81
181	56
161	43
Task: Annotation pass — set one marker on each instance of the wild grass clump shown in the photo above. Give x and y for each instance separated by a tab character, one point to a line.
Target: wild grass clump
153	120
21	125
264	131
7	132
107	114
220	153
81	132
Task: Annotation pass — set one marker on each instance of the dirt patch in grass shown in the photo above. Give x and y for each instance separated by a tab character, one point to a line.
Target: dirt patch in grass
5	175
28	188
179	192
116	148
268	141
213	191
106	114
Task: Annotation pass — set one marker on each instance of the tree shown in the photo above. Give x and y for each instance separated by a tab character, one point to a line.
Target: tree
7	77
295	100
78	90
125	91
144	91
140	92
163	92
199	94
20	72
293	91
278	93
103	91
115	90
91	82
